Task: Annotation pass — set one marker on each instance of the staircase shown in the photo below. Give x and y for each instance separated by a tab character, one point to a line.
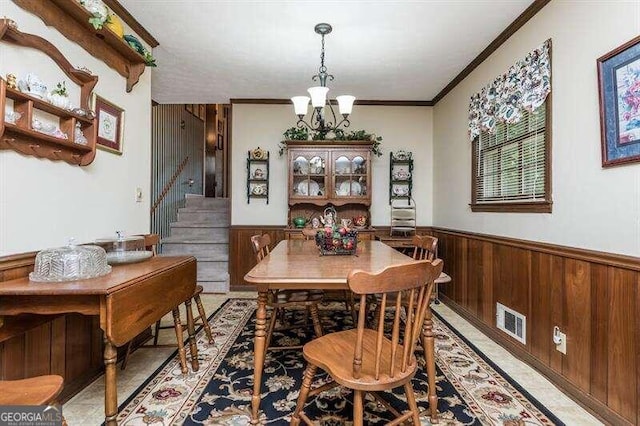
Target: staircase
202	230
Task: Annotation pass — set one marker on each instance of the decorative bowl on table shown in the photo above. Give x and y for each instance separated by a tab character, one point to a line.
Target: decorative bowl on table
70	263
337	240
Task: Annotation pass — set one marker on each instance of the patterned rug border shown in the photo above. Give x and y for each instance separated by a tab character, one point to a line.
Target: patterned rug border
540	406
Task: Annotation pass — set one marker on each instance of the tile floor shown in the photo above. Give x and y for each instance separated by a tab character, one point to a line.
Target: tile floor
87	407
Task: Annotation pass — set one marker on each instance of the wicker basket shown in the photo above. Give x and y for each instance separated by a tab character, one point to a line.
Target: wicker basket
341	241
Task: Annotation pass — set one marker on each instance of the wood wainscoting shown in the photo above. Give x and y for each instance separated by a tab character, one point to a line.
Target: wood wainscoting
241	256
594	298
68	345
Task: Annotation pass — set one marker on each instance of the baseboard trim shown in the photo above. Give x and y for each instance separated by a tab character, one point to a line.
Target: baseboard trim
592	405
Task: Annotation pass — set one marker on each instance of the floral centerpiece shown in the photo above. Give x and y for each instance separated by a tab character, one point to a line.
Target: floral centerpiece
337	240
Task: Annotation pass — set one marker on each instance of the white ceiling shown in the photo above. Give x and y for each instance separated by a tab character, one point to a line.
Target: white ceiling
211	51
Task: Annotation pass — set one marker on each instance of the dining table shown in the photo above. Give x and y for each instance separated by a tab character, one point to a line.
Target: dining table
297	264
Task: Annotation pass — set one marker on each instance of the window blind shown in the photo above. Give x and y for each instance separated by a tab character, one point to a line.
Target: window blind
511	163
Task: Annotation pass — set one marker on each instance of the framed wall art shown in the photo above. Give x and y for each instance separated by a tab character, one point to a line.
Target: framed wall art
110	120
619	86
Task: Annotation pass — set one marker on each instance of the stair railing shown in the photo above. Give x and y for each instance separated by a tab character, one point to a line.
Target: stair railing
169	184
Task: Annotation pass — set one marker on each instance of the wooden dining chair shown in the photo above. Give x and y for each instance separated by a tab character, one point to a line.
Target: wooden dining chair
281	300
426	247
151	242
38	390
381	361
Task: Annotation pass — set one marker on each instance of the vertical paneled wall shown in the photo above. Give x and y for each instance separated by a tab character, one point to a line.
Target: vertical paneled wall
594	298
177	137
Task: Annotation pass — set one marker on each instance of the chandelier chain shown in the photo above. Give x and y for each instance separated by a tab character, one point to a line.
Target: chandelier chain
322	69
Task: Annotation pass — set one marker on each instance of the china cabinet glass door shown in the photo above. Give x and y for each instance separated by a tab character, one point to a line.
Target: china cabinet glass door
308	178
349	174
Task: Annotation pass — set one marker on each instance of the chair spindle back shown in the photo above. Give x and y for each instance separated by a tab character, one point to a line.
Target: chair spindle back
411	282
260	245
151	242
425	247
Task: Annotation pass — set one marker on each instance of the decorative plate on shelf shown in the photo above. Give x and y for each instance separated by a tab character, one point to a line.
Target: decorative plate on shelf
402	155
258	154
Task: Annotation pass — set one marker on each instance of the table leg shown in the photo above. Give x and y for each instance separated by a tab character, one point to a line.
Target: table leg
110	384
430	361
177	325
192	336
258	356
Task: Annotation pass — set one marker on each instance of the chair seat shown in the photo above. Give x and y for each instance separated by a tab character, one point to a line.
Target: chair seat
285	297
443	278
34	391
332	353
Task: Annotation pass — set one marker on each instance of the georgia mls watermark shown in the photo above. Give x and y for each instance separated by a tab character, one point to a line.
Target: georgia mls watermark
30	415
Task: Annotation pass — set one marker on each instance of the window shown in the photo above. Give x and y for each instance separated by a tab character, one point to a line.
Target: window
512	168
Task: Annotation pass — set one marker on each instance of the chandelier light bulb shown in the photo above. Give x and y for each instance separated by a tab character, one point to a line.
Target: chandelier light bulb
318	96
345	103
300	104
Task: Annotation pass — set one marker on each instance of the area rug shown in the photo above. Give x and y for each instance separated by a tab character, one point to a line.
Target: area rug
471	389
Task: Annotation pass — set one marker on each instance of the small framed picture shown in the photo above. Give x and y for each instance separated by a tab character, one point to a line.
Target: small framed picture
619	85
110	120
189	108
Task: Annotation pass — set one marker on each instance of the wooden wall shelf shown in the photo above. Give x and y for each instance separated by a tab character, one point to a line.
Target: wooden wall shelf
20	136
72	20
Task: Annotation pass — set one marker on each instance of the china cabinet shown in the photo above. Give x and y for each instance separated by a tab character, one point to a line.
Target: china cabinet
23	134
400	176
329	173
257	174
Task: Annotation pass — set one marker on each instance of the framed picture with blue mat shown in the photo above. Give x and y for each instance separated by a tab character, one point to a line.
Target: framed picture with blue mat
619	84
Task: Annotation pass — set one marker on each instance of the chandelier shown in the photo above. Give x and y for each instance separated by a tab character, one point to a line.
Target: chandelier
323	118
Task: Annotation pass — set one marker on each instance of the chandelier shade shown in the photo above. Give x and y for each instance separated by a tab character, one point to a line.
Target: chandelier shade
300	104
345	103
318	96
323	118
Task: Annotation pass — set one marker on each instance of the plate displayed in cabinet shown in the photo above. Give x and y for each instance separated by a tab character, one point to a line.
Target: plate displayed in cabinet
309	189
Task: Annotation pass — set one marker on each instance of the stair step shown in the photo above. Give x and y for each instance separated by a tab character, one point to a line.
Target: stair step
204	209
189	233
218	217
213	270
199	249
207	202
188	224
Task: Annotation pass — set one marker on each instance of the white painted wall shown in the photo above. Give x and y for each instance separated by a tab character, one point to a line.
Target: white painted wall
408	128
42	202
593	208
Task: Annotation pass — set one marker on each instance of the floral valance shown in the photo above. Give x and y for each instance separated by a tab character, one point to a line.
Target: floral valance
524	86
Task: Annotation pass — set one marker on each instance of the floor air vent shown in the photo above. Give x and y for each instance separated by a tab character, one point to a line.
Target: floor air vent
511	322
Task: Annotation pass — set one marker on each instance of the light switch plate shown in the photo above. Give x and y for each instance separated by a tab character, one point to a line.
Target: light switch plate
138	195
